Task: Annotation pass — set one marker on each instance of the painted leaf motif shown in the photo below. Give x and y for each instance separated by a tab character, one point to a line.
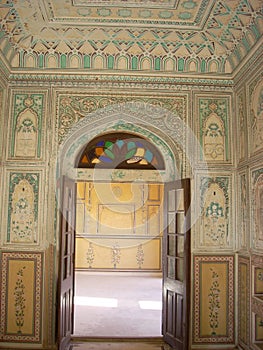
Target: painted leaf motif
109	153
130	154
108	144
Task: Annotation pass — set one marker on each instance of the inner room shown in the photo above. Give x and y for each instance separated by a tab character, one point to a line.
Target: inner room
118	272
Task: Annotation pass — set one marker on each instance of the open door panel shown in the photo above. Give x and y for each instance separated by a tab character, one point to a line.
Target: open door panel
66	273
176	264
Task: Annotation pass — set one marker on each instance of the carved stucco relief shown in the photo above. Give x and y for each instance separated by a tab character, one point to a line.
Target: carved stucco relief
86	116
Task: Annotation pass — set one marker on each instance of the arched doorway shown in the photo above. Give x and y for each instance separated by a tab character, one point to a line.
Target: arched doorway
119	231
175	258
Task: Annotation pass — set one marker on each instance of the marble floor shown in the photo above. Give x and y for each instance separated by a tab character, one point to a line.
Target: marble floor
116	304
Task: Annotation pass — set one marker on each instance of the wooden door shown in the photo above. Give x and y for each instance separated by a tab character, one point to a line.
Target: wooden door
66	273
176	264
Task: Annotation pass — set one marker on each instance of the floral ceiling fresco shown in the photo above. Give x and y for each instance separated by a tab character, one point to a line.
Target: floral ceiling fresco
170	35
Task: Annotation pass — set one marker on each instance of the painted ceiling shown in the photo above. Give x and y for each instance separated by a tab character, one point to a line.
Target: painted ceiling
150	35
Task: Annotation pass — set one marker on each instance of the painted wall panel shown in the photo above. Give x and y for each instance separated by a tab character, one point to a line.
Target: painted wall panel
241	126
214	202
21	296
243	218
23	207
255	91
214	128
213	299
1	122
244	294
257	301
257	207
28	112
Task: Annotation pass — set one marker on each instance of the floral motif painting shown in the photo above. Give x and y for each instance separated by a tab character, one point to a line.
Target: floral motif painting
215	220
213	299
21	286
23	208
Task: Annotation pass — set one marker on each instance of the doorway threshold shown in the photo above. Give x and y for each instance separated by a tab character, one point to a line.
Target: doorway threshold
118	343
117	339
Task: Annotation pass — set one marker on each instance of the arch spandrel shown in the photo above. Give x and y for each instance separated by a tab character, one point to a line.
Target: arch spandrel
167	131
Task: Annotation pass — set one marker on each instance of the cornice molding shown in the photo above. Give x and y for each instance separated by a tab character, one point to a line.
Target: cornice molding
119	80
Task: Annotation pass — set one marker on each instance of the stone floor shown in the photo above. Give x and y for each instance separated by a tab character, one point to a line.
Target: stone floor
121	345
110	318
126	305
132	345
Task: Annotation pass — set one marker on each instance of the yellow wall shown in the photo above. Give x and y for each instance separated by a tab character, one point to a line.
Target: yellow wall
119	226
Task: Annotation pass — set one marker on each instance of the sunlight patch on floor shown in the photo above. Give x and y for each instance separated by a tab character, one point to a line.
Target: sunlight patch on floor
94	301
150	305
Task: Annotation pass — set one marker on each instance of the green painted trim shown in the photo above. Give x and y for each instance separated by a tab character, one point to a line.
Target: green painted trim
203	66
245	43
86	61
110	62
181	65
21	59
255	31
2	34
63	61
157	63
134	63
41	61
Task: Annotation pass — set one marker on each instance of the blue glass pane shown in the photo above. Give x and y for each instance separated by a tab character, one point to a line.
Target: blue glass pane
119	143
139	144
100	143
131	145
105	159
148	156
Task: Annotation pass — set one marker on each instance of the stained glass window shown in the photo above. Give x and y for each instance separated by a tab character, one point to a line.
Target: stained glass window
120	151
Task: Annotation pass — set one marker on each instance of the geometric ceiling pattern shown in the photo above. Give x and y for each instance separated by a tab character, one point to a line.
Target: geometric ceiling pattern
165	35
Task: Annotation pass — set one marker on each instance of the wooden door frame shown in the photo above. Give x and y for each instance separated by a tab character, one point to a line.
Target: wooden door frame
183	288
188	270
